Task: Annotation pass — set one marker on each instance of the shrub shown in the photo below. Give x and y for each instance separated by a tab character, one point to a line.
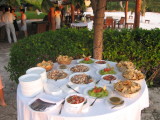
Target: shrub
140	46
29	51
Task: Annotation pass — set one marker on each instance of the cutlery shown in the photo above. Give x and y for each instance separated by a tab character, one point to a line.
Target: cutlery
97	81
72	88
83	105
61	107
94	101
121	103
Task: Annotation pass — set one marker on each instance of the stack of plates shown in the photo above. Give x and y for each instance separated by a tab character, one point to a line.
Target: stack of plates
31	84
38	70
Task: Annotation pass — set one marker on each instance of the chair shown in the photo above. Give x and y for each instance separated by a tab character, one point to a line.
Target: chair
41	28
121	22
109	23
91	17
130	25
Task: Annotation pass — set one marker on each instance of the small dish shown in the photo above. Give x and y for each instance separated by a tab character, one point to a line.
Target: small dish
109	78
100	63
115	100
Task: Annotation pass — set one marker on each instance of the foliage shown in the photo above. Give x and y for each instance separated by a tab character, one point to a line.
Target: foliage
140	46
10	2
29	51
32	15
36	3
147	5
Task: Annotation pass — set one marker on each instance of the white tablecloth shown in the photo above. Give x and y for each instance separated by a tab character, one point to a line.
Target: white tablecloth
101	110
89	24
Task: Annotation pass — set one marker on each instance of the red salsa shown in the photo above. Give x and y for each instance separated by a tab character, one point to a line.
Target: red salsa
101	62
109	77
75	99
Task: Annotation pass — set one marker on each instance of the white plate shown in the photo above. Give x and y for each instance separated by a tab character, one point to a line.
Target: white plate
80	64
85	92
97	72
62	78
78	61
81	85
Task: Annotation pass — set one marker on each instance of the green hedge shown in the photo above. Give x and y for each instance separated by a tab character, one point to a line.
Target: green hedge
140	46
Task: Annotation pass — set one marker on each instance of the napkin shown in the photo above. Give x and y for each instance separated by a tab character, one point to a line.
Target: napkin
48	99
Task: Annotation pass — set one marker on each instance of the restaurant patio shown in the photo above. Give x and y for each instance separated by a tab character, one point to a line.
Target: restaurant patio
118	54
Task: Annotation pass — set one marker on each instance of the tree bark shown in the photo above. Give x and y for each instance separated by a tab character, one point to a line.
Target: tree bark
137	13
126	11
99	9
72	12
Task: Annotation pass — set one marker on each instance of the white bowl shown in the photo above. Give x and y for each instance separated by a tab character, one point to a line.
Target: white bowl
73	108
72	75
100	65
81	71
38	70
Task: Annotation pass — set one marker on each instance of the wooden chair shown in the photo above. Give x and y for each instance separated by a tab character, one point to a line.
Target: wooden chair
109	23
41	28
91	17
121	22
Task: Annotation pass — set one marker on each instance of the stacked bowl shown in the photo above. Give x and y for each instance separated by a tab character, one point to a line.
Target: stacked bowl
31	84
38	70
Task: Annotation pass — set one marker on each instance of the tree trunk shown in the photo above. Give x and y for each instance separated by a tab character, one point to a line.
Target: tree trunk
99	9
126	12
72	12
137	14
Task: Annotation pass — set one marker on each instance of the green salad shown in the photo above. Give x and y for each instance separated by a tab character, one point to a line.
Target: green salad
107	71
98	92
87	61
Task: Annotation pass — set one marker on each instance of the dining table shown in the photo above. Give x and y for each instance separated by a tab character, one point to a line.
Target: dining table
87	24
102	108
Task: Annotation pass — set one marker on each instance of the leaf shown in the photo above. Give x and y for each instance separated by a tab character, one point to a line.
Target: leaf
36	3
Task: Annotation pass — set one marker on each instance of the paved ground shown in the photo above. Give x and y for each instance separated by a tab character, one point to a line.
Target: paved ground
9	112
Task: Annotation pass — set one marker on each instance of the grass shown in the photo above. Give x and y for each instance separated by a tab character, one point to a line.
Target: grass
32	15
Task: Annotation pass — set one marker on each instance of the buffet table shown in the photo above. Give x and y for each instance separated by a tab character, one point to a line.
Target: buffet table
101	110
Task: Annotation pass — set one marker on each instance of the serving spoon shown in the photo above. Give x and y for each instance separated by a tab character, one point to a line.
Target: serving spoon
121	103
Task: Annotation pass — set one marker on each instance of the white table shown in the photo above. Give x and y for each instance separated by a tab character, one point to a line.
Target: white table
101	110
88	24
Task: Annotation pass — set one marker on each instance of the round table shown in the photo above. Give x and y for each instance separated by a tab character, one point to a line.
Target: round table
101	110
88	25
